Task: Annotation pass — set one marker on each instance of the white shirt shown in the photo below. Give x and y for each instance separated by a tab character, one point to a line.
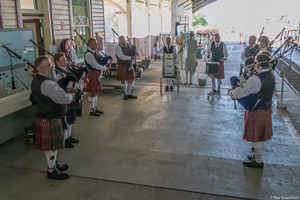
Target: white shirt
252	86
119	53
244	58
90	59
70	85
208	51
52	90
161	51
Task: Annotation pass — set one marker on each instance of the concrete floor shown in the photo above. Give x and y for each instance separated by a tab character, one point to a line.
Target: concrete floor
162	147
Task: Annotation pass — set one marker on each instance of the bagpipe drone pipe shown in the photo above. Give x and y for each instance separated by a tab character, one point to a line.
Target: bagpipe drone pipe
249	102
74	76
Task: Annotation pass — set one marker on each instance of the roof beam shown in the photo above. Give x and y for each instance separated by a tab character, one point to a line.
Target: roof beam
183	3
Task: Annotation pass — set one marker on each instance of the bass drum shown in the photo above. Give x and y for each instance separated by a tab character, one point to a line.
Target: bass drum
67	45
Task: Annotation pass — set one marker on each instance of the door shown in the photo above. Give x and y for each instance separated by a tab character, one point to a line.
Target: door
35	26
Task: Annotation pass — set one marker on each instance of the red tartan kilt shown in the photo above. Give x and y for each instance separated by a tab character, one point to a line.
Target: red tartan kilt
93	85
48	134
258	125
123	74
221	74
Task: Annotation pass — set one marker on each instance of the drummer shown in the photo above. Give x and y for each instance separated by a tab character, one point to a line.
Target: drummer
219	53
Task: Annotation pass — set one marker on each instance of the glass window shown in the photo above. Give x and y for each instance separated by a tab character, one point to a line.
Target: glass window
29	4
81	25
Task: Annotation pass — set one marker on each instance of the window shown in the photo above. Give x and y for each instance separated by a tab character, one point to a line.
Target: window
81	25
29	4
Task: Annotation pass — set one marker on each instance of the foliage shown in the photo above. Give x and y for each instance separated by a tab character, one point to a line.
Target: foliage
199	19
112	19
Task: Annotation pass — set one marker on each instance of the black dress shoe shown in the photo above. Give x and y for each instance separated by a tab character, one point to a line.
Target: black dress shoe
61	168
214	91
131	96
167	88
68	143
73	140
171	88
98	111
125	97
57	175
94	113
254	164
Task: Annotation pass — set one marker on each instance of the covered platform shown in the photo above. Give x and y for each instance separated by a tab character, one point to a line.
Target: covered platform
163	147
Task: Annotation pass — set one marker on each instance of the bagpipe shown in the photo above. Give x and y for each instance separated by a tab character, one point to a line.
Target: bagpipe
249	102
102	60
74	76
130	49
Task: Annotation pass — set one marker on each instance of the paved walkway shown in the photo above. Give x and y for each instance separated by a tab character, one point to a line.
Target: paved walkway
162	147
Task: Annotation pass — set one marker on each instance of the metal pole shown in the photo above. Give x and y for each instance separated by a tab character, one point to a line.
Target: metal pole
281	104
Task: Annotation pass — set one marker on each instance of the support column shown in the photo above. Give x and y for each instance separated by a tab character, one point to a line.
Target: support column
160	14
148	21
129	17
1	18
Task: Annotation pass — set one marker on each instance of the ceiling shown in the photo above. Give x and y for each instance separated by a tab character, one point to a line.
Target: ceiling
198	4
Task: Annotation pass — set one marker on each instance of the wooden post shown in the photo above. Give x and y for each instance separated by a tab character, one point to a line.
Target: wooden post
129	17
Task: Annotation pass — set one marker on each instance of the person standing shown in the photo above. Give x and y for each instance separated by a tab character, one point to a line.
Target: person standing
190	58
51	103
251	50
258	121
219	53
93	84
125	71
70	118
168	49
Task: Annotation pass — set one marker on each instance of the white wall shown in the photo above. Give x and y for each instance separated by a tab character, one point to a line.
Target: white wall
177	11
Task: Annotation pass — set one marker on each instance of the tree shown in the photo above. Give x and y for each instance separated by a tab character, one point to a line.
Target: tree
199	19
112	19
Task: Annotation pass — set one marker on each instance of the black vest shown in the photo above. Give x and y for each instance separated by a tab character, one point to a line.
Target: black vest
168	51
217	53
126	52
97	58
62	71
266	92
252	51
46	107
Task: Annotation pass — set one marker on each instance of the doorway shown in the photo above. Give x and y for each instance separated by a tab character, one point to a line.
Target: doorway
36	26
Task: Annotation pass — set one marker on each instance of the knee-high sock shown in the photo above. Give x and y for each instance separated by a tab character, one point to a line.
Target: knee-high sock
213	83
125	87
92	103
219	83
129	88
171	82
69	129
66	133
167	82
258	150
51	158
95	102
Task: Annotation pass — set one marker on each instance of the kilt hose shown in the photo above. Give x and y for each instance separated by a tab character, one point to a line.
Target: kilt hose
258	125
123	74
93	85
48	134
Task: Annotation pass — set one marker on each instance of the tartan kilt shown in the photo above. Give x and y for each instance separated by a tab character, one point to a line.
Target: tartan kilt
123	74
71	113
48	134
258	125
93	85
221	74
